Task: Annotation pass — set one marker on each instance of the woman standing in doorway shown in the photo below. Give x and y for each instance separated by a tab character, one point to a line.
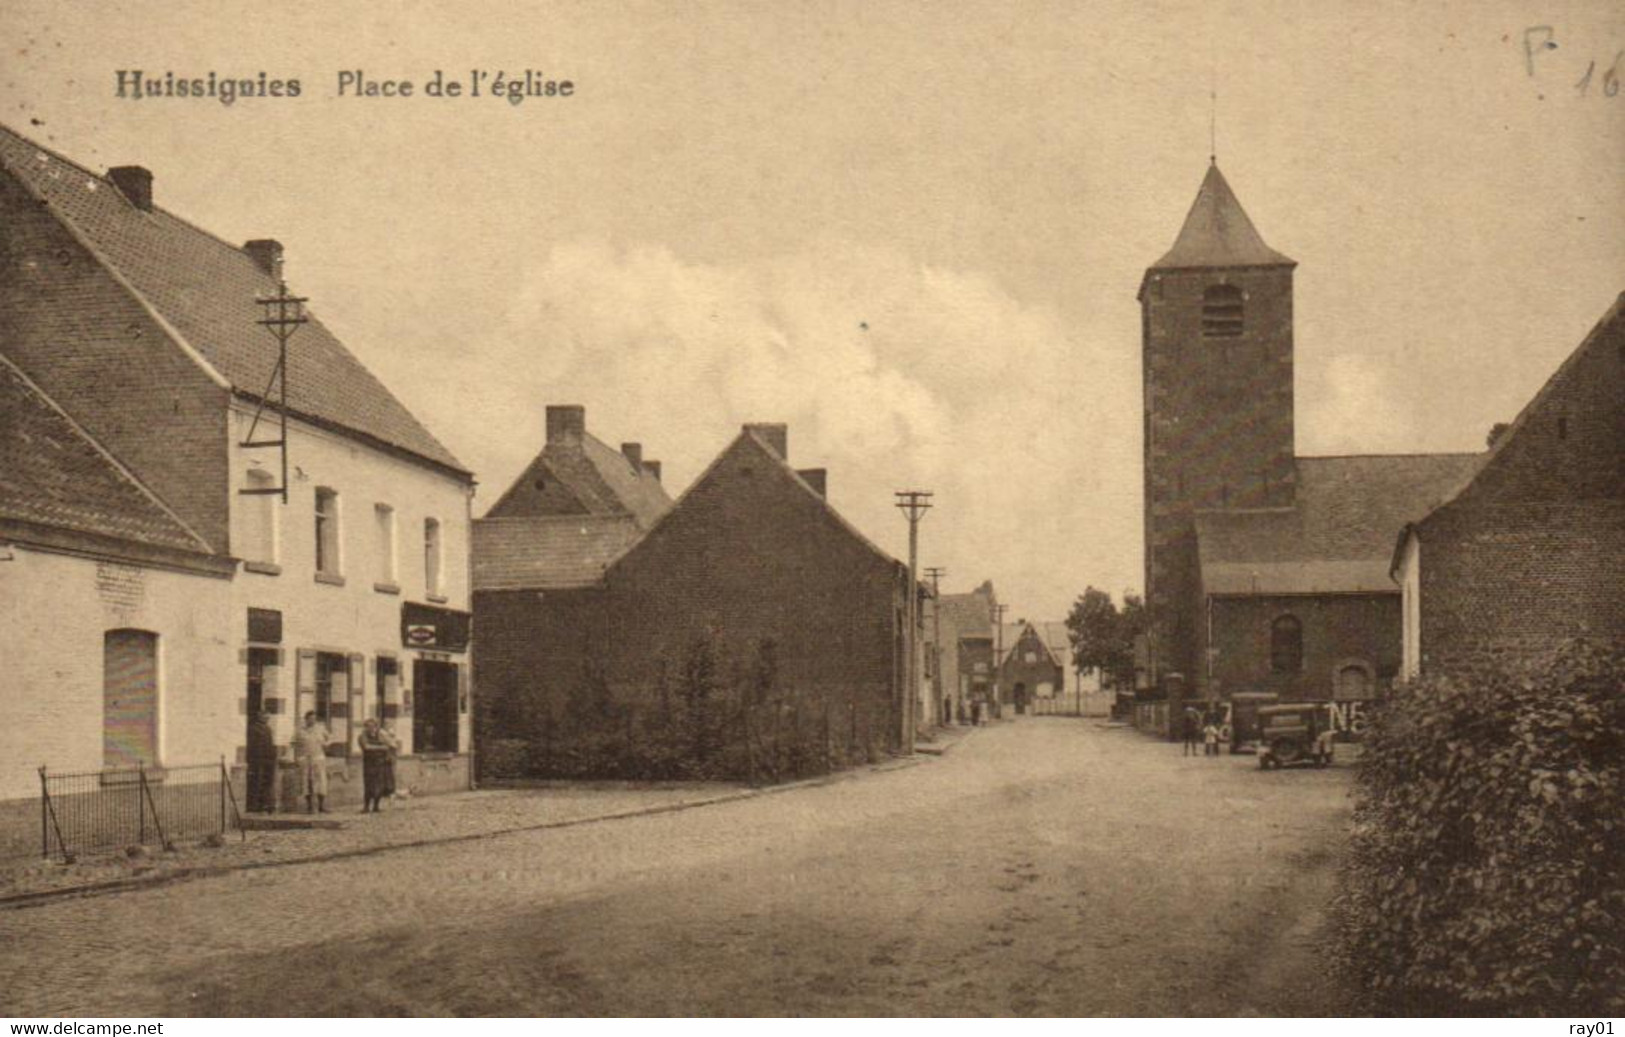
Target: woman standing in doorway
378	747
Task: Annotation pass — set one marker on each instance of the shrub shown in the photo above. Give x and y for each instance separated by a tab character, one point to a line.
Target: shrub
1486	871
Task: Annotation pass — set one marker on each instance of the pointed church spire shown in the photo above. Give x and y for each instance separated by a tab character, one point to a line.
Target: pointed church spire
1217	232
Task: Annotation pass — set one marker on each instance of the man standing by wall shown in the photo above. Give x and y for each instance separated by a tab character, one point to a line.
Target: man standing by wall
310	749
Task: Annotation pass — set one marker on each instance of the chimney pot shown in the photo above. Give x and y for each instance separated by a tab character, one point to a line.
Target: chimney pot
134	183
817	478
633	452
566	422
653	468
776	436
266	254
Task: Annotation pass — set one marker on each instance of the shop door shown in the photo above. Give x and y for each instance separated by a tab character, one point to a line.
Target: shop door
434	710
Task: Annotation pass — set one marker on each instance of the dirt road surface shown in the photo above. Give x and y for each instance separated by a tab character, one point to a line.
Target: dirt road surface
1049	866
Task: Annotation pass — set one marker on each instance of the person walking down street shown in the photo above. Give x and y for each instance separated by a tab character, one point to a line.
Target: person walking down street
310	750
1191	730
378	747
1210	738
262	757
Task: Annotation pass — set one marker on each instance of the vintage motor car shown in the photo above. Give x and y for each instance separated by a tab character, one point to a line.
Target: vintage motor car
1241	728
1299	732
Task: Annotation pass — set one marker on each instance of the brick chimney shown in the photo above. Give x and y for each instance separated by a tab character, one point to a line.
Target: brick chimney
633	452
266	254
777	437
134	183
566	423
653	468
817	478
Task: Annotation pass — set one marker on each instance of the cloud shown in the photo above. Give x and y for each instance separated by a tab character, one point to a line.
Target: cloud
1353	404
892	374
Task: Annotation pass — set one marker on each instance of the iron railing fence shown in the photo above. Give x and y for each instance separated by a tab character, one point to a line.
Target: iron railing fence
134	806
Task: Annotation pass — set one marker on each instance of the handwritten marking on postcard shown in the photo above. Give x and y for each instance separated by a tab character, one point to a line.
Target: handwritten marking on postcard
1539	41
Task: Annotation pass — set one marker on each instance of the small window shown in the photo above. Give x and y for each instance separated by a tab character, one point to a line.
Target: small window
1562	428
1221	311
327	531
431	555
385	519
1286	645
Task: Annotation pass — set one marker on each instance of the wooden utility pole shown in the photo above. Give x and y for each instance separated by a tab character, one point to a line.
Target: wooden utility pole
913	504
936	573
998	657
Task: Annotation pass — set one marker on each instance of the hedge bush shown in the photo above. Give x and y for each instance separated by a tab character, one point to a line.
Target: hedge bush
1486	871
706	717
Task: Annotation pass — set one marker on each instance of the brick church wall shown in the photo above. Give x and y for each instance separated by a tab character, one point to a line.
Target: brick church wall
1338	630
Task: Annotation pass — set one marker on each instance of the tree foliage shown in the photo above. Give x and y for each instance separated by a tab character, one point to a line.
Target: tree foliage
1102	635
1487	866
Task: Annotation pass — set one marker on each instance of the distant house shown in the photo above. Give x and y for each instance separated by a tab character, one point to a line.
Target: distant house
349	563
576	473
967	646
1075	693
1530	552
1030	668
750	583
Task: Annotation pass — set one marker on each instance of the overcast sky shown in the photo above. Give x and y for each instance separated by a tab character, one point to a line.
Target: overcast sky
913	233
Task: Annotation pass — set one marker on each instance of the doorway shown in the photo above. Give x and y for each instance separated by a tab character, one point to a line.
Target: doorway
434	708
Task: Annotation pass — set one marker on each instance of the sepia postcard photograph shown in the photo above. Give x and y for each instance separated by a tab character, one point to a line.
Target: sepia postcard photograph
978	509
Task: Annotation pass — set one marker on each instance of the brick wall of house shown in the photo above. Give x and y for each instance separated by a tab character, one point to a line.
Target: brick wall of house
1532	553
54	699
67	322
1017	669
1511	580
749	556
534	646
1338	631
1218	427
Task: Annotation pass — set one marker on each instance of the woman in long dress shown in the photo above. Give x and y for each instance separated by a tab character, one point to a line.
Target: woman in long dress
378	747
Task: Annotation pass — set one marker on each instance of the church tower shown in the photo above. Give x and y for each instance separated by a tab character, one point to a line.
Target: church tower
1216	355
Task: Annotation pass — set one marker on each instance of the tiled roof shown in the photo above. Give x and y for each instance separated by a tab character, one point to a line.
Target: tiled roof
205	289
1218	233
1338	536
552	552
597	475
1052	634
53	474
968	614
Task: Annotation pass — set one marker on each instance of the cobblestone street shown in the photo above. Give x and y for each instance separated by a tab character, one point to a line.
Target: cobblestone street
1047	866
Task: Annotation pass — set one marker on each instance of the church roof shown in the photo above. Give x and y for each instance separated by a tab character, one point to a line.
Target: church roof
1217	233
1338	537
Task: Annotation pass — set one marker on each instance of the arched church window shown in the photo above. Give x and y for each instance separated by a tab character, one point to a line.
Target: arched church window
1286	645
1221	311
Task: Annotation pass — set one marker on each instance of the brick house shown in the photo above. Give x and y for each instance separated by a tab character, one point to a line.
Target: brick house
1265	571
750	561
1530	552
96	567
349	596
1030	669
967	645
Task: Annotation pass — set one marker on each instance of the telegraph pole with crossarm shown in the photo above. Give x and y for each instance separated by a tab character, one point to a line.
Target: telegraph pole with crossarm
913	504
936	573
